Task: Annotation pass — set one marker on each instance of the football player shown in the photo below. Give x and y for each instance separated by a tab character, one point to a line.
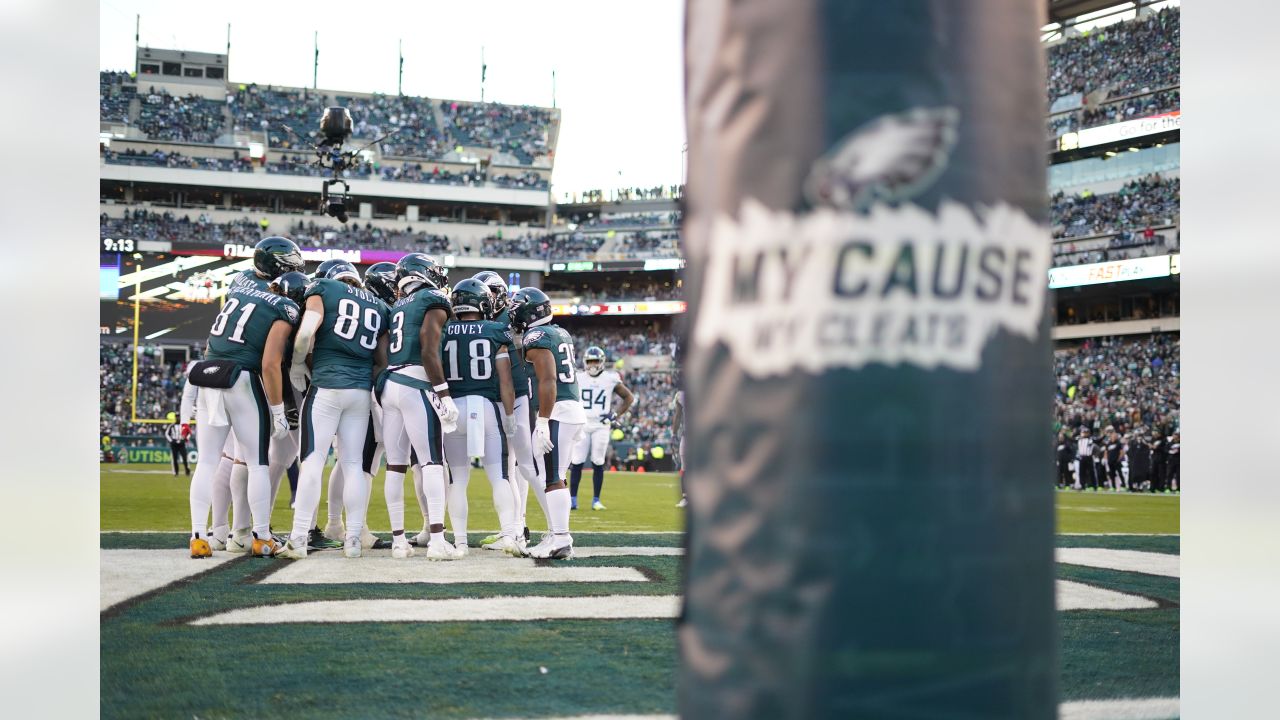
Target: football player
347	327
416	405
677	423
598	389
520	464
477	363
243	390
548	350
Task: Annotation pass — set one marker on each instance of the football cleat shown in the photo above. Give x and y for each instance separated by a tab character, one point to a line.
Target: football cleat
400	547
292	551
267	548
421	539
240	542
217	544
508	546
335	531
351	548
597	505
573	503
441	550
684	502
560	547
200	548
488	541
462	550
317	540
369	541
541	546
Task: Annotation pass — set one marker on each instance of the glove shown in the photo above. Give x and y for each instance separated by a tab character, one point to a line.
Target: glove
509	425
542	437
610	419
299	376
279	423
291	415
448	413
186	430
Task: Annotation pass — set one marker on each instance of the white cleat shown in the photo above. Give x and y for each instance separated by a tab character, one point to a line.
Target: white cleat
369	541
400	547
530	550
351	547
216	544
560	547
441	550
294	551
507	545
684	502
421	539
335	531
239	542
461	550
597	505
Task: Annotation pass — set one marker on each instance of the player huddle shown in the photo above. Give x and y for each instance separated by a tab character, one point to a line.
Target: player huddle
396	363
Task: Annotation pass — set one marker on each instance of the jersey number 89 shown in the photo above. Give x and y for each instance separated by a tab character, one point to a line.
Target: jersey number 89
348	323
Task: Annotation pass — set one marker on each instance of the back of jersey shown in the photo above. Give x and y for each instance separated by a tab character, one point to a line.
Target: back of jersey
558	341
240	330
597	393
345	341
407	316
469	351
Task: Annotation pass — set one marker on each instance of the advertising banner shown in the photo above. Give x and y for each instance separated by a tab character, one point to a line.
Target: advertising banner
1108	272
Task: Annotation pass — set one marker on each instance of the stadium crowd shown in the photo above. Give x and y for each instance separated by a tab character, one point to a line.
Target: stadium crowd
115	91
1126	58
1147	201
520	130
192	119
1119	396
159	158
1124	245
633	290
1131	108
159	389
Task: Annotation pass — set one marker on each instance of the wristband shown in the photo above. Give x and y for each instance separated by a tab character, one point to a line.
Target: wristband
442	387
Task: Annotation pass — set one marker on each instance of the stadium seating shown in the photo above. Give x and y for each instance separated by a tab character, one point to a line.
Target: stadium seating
1140	203
520	130
159	389
115	91
1126	382
178	160
191	119
1122	59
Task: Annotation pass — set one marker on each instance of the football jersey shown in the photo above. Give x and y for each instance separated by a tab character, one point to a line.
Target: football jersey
406	322
249	278
568	398
597	393
240	330
345	341
519	373
469	351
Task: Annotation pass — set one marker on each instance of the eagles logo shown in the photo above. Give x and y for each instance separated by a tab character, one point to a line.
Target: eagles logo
292	312
893	157
532	336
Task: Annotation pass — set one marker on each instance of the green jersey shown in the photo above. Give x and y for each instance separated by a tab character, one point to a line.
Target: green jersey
469	351
519	373
354	319
406	322
239	333
555	339
249	278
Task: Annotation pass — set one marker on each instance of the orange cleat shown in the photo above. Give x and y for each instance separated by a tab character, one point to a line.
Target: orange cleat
267	548
200	548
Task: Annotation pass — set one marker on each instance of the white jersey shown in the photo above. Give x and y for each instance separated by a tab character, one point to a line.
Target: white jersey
597	393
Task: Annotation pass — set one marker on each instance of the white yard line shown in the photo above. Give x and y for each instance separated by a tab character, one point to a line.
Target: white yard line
610	607
1078	596
1124	709
1127	560
125	574
481	566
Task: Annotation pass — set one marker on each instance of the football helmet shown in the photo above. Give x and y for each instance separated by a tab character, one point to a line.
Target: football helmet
380	279
322	270
498	287
471	295
344	271
275	256
594	359
291	285
530	307
420	268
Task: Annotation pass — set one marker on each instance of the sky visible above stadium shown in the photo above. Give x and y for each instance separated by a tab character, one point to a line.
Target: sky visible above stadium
619	65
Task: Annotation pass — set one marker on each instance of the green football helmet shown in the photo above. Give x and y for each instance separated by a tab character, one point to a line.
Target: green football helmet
420	268
471	295
380	279
498	287
322	270
530	307
275	256
291	285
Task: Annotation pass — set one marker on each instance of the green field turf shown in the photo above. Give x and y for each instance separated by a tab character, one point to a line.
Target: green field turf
154	664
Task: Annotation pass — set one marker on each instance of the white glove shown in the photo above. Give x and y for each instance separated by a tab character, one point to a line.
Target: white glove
542	437
299	375
279	423
509	425
448	414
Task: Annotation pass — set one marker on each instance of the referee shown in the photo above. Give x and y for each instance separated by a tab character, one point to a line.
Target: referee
176	434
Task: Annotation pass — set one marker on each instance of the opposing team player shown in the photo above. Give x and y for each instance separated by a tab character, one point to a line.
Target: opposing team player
477	363
520	465
416	405
242	390
549	351
598	389
347	326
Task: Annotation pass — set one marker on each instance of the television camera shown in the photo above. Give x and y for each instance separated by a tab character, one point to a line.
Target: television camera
335	130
